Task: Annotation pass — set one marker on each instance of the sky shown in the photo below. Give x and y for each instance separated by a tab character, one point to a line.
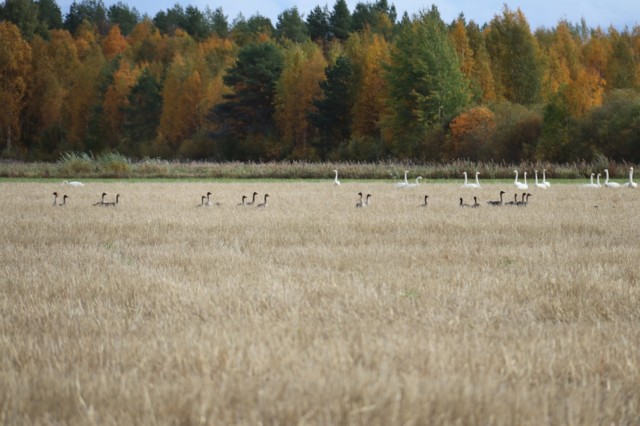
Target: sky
539	13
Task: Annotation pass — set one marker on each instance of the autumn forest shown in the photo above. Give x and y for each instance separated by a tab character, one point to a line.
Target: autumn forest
339	85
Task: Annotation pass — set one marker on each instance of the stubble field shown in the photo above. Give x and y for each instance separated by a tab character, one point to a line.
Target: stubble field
314	312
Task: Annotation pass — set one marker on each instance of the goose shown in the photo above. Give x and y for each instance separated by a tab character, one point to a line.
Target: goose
359	203
263	205
73	183
336	182
405	183
112	203
201	201
631	183
539	185
475	203
253	200
521	202
521	185
497	203
425	201
463	204
366	200
413	185
55	199
607	183
64	201
527	200
514	202
544	179
244	197
101	202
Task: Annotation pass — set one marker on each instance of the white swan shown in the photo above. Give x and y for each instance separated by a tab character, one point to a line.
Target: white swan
607	183
405	183
590	184
73	183
336	182
477	184
521	185
539	185
631	183
544	179
413	185
466	183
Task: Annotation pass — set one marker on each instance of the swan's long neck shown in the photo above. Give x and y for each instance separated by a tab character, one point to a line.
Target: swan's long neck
631	175
606	176
516	181
598	179
536	173
544	178
336	179
405	177
477	179
465	178
591	178
525	178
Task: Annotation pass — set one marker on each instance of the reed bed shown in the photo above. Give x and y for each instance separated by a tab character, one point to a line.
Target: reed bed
311	311
111	165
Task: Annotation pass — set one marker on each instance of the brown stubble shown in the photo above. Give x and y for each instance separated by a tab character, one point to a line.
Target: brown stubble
313	311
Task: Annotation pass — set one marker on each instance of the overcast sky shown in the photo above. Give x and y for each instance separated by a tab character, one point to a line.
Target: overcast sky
539	13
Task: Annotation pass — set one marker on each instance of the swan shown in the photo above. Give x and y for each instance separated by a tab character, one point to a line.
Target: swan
539	185
405	183
598	180
366	200
631	183
463	204
497	203
413	185
544	179
521	185
475	185
359	203
466	184
73	183
336	182
244	197
112	203
590	184
475	204
425	201
101	202
55	199
607	183
253	200
263	205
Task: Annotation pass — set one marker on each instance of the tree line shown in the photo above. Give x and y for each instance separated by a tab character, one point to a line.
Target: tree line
336	85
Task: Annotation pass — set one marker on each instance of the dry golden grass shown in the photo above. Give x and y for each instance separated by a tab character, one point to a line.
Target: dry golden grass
314	312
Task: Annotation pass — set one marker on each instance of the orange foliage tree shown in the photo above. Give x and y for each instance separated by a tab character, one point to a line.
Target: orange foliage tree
471	132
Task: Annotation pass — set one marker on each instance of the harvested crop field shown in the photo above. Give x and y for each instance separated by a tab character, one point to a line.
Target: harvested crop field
313	311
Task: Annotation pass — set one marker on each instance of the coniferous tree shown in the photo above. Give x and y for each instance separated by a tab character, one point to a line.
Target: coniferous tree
333	118
290	26
318	24
142	115
340	20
